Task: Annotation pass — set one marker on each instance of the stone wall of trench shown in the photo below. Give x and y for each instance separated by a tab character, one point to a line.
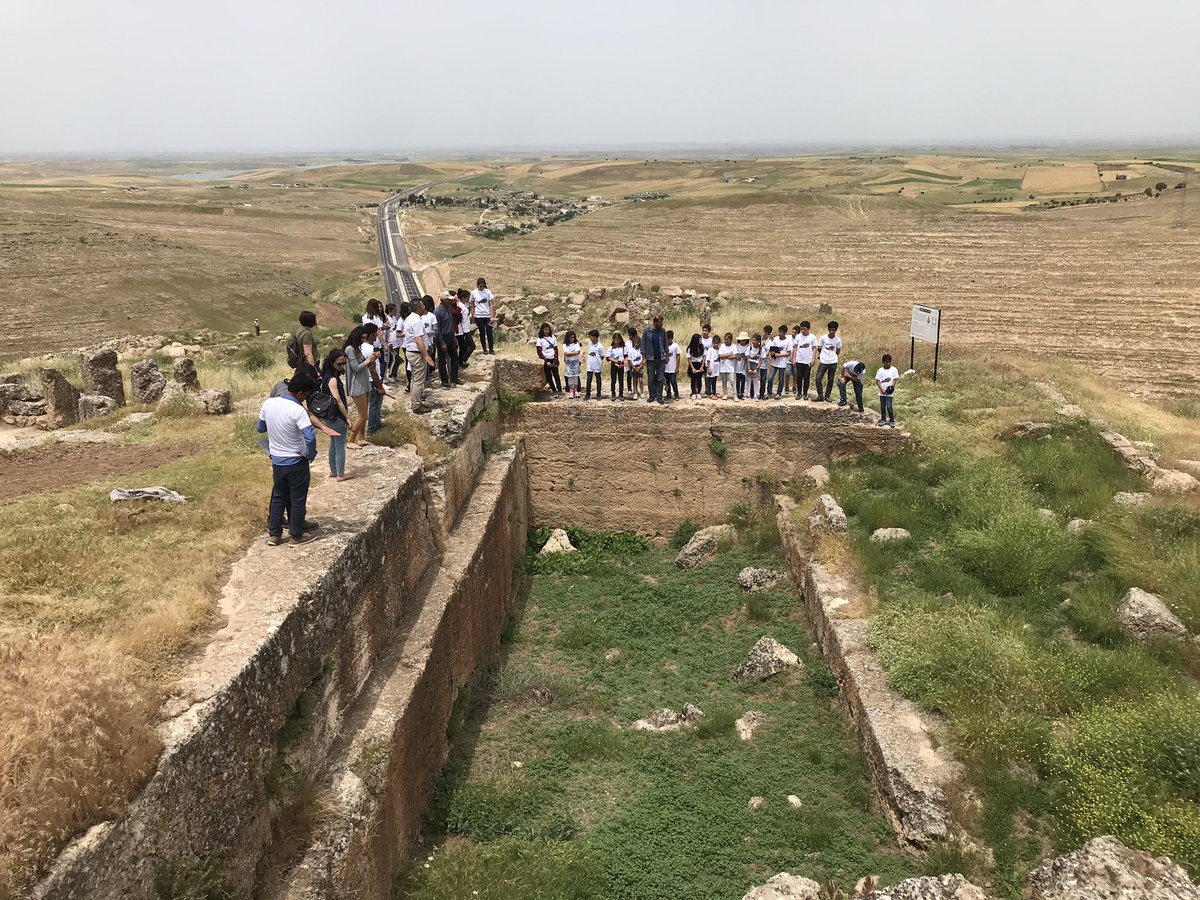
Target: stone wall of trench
633	466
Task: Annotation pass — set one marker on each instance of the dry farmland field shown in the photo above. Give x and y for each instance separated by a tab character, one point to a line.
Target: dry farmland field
90	250
1058	257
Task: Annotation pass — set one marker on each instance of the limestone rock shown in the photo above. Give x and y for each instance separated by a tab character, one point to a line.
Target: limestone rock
672	290
621	318
92	406
217	401
818	475
147	382
703	546
748	724
1173	481
62	400
768	657
540	311
1189	465
33	408
558	542
612	653
754	580
184	373
794	802
1026	430
785	887
828	516
175	349
670	720
1105	869
929	887
101	375
756	802
888	535
1071	411
1078	526
1131	498
1144	617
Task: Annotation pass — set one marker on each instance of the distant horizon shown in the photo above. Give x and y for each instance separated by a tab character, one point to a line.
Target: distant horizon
386	156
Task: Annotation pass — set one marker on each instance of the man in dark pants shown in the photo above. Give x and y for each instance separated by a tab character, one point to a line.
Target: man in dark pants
654	346
447	356
292	444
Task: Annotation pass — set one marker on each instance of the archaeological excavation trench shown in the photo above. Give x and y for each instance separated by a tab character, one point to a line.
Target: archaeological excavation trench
304	745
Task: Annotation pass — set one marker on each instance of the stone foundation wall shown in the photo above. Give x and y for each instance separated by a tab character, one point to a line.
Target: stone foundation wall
632	466
301	625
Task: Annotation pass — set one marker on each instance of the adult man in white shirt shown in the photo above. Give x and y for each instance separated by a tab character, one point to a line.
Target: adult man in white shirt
292	445
419	359
829	347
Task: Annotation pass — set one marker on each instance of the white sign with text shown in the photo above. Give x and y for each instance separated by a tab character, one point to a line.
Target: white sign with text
926	321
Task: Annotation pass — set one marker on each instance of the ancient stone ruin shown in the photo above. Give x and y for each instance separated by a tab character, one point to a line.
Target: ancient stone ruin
101	377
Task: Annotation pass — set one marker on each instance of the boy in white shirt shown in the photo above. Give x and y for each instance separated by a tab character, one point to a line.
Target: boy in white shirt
781	357
712	358
829	346
803	343
852	373
706	337
886	378
671	369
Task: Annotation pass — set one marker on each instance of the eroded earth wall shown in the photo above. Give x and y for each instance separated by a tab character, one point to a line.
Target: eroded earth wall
634	466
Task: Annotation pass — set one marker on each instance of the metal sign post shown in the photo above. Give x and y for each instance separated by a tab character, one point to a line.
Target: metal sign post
926	326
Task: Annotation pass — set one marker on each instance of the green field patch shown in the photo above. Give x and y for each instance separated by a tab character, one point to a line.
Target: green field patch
550	793
939	175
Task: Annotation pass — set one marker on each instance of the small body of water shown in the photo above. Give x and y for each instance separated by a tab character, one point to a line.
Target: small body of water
208	175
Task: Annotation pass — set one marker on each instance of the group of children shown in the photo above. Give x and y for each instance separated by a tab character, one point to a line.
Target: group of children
746	367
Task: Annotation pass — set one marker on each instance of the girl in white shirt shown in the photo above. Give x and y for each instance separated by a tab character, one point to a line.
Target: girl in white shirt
616	366
547	351
481	299
695	362
595	364
571	354
671	369
633	366
753	361
741	352
727	367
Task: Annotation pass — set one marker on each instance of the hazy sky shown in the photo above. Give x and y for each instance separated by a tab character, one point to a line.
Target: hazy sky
263	75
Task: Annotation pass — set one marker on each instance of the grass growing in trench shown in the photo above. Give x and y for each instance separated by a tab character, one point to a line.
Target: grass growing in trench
596	810
1068	729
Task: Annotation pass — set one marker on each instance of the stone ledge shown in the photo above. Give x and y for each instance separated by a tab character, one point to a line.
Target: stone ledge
908	768
395	745
298	620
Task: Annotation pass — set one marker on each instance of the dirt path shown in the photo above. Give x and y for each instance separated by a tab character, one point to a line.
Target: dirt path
58	466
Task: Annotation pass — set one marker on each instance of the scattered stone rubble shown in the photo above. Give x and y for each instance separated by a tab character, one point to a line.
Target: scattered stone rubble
1131	498
1105	869
558	542
1145	617
928	887
828	516
767	657
670	720
889	535
1137	456
818	475
785	886
754	580
703	546
749	723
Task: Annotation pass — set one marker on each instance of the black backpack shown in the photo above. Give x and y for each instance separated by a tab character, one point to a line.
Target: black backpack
321	405
295	353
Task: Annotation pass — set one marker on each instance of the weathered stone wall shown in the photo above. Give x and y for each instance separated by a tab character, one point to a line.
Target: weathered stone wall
909	766
633	466
391	763
300	624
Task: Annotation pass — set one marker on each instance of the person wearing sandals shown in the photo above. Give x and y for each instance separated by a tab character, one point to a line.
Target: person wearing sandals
331	384
358	385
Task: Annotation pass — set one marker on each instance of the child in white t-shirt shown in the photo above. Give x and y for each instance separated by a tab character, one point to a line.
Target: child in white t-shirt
781	358
886	378
547	351
741	352
595	364
829	346
728	358
754	362
633	366
571	352
803	343
616	366
712	366
671	369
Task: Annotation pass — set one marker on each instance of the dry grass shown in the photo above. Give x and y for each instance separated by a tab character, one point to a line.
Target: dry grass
98	603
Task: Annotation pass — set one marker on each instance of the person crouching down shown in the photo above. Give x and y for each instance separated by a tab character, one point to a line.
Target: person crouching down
292	445
852	373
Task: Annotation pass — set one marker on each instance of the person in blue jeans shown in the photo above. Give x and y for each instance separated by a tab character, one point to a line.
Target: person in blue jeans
332	384
885	378
292	445
852	373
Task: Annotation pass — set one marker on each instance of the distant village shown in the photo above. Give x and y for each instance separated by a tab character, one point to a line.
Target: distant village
522	211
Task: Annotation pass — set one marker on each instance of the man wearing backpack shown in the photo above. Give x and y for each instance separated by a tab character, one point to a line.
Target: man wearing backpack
302	348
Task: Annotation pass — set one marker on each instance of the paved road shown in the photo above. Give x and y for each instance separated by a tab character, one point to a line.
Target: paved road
399	281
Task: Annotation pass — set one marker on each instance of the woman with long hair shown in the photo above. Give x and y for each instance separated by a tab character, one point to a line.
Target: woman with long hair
331	384
695	358
358	386
547	351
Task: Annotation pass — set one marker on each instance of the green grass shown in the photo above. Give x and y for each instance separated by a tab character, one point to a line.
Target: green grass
597	810
1040	695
